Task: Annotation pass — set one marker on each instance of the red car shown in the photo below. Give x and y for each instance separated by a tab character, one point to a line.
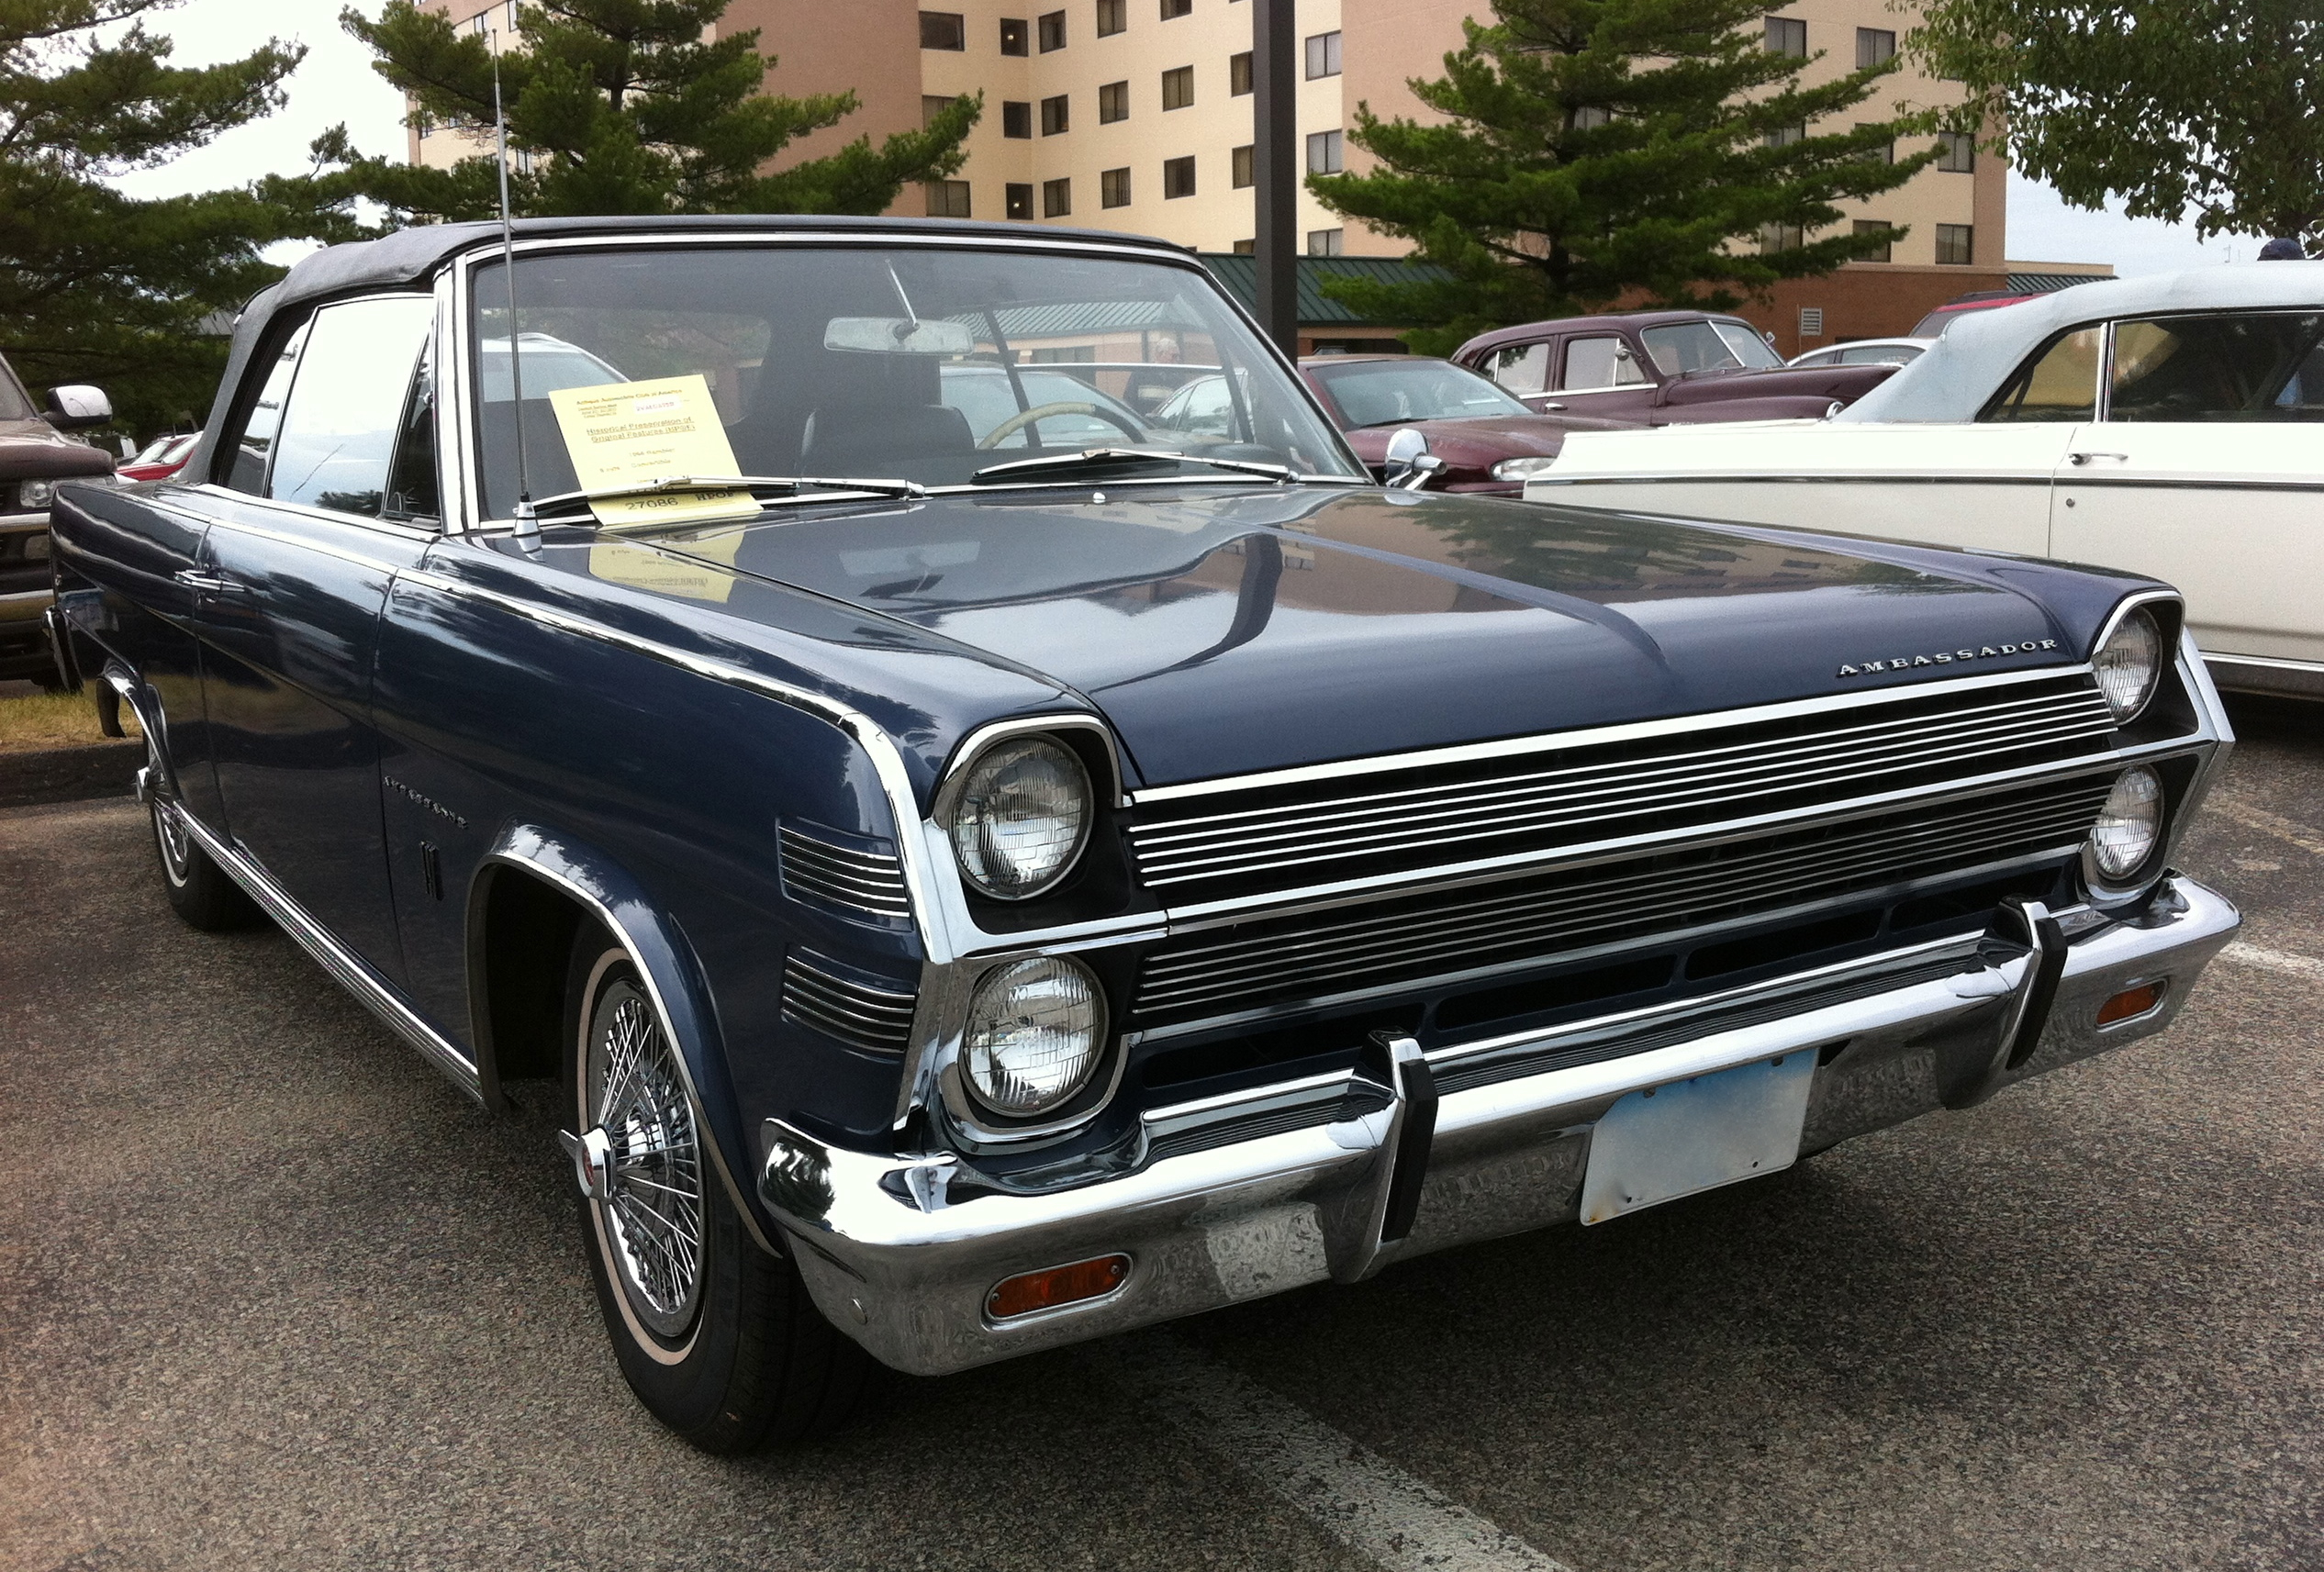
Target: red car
1660	368
161	459
1488	441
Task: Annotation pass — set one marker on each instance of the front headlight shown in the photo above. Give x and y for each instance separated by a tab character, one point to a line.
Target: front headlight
2130	826
2130	663
1036	1031
1019	815
34	493
1521	469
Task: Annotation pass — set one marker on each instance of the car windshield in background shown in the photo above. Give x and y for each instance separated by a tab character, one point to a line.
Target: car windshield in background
1708	346
910	363
14	403
1381	393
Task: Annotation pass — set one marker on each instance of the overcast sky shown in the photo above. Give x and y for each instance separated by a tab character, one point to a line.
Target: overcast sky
336	84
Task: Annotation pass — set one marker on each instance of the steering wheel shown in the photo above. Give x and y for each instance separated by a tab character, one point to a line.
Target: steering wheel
1025	418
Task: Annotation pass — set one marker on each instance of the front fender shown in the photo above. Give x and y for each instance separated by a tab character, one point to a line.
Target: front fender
672	977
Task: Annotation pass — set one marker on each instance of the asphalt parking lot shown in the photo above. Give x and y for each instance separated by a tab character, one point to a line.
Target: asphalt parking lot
272	1294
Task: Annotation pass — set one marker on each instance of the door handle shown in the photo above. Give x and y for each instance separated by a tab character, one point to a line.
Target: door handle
2085	458
210	583
1550	407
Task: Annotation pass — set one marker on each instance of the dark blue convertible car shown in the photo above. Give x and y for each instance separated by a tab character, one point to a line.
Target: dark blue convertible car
982	869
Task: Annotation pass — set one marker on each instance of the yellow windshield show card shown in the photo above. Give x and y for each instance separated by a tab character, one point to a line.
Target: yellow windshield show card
634	433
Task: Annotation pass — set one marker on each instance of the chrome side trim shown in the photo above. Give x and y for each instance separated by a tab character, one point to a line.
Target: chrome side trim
2264	674
822	870
876	1019
348	969
1628	731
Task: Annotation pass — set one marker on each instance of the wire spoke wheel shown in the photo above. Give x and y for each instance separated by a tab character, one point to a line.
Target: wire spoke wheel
652	1209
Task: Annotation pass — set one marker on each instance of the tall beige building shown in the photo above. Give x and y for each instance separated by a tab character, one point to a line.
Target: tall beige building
1135	115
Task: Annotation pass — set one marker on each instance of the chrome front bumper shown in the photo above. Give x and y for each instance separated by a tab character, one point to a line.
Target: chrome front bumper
1240	1197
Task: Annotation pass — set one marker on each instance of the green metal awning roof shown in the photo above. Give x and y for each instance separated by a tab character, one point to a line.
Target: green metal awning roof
1238	273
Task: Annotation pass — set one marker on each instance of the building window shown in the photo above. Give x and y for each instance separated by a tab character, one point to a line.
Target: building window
1884	153
1178	87
1782	237
1324	149
1957	153
1013	35
1017	199
1113	103
481	23
1874	226
1113	188
1057	199
942	30
1175	8
1052	31
1177	177
1055	119
1324	242
1239	74
1786	136
932	105
1016	119
948	199
1323	56
1787	35
1956	244
1874	46
1114	16
1589	118
1246	248
1811	322
1240	161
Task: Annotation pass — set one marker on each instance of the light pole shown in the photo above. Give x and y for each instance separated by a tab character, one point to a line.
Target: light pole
1275	172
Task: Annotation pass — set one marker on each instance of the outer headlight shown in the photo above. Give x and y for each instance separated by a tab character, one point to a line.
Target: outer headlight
1019	815
34	493
1521	469
2130	663
1036	1029
2130	826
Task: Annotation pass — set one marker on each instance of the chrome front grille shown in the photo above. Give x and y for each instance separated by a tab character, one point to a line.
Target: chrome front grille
819	870
1349	952
876	1019
1240	841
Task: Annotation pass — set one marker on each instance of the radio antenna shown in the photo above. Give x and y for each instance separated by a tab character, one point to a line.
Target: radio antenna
527	526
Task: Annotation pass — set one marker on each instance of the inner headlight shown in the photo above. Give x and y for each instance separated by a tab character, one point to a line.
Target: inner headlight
1019	815
2130	826
34	493
1035	1030
1521	469
2130	663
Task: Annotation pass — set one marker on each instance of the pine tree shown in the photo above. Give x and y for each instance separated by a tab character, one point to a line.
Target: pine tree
621	107
95	286
1596	152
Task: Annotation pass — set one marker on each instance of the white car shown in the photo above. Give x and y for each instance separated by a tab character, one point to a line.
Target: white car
1864	353
2171	426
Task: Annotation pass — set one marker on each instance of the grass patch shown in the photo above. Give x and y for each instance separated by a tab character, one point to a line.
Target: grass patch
43	720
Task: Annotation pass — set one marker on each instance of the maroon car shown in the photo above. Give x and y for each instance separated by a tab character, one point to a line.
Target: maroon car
1660	368
1488	442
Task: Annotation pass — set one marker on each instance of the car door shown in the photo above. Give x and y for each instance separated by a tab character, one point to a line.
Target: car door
2206	469
306	537
1522	370
1600	374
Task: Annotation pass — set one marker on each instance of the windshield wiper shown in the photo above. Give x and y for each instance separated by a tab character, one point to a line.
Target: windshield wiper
1091	457
795	484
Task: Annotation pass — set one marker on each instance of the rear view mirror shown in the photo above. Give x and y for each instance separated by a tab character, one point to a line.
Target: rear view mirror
897	336
76	406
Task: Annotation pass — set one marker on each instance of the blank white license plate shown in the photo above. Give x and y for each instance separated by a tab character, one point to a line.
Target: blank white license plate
1697	1134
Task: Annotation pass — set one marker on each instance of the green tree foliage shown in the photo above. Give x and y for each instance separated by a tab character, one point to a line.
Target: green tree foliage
623	108
95	286
2210	107
1596	151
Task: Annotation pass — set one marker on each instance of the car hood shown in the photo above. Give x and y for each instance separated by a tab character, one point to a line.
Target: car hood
1225	631
33	450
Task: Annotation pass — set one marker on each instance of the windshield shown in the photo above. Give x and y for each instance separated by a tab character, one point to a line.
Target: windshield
915	363
1381	393
1708	345
13	403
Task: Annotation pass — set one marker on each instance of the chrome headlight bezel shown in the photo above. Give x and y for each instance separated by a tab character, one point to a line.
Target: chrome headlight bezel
976	1058
2132	635
959	802
1523	469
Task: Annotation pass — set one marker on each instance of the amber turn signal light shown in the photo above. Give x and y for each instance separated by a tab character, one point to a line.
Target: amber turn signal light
2130	1002
1056	1286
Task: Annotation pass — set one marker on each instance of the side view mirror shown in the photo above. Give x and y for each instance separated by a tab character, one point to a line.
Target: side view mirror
1410	463
77	406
